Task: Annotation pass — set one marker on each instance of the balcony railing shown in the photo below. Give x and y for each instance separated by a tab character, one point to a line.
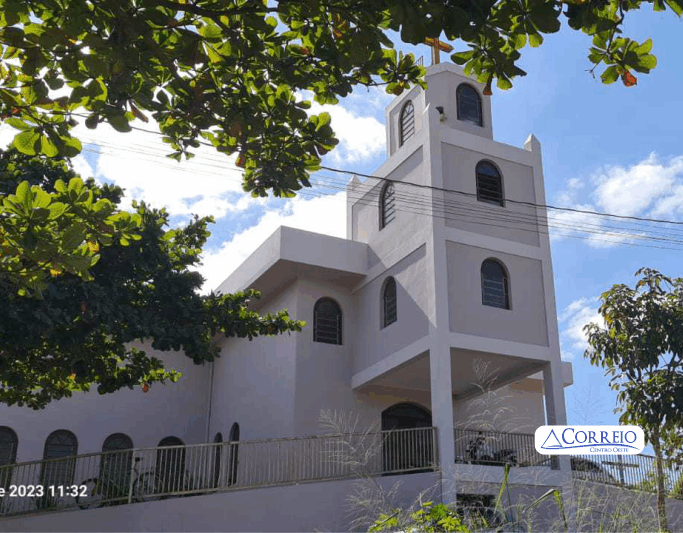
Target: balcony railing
496	448
128	476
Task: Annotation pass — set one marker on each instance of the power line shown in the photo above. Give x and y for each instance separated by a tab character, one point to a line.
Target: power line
435	205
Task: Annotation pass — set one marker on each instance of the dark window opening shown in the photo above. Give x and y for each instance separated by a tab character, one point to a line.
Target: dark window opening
407	123
389	303
469	104
327	322
494	285
489	184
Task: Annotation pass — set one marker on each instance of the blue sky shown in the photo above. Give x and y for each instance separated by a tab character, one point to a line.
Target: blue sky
610	148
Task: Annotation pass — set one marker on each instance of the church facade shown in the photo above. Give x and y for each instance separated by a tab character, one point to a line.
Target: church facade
436	311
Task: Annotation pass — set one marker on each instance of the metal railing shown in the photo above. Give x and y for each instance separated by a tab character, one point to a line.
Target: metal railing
496	448
631	471
145	474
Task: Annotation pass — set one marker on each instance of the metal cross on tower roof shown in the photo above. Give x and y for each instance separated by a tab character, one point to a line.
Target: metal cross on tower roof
437	46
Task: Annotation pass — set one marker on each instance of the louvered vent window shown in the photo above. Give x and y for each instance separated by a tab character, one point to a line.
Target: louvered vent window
389	305
489	184
327	322
387	205
494	285
469	104
407	122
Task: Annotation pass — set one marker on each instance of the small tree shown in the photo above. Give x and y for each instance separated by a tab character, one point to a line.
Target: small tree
77	332
641	347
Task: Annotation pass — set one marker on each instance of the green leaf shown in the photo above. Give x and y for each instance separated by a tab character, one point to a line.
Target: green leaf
119	123
48	147
610	75
27	142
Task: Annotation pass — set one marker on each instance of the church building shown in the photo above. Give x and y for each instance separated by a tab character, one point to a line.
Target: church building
433	325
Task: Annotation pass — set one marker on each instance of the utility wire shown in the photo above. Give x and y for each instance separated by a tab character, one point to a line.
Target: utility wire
425	203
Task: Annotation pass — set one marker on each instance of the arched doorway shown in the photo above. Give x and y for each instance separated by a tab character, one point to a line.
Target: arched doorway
170	464
405	450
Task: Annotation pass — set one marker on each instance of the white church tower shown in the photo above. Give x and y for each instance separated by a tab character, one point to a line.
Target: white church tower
453	220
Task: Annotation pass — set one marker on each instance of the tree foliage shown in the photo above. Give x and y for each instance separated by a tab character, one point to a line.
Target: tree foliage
641	347
77	333
229	72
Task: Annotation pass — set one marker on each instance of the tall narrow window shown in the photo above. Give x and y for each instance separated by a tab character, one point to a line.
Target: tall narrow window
389	307
469	104
387	207
62	445
233	459
218	439
494	285
407	123
489	184
8	454
115	467
327	322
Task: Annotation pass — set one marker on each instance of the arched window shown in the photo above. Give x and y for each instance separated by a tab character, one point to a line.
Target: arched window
218	439
170	464
494	285
116	467
489	184
387	205
233	438
389	307
60	444
327	322
8	454
469	104
406	123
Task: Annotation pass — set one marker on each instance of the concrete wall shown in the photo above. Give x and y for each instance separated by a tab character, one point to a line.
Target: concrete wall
409	204
526	320
376	342
254	381
174	409
514	222
304	507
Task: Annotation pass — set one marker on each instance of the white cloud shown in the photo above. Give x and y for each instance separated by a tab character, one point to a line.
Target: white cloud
632	190
361	137
326	214
206	185
575	316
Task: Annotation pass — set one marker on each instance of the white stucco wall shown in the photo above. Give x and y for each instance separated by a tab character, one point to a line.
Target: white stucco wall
524	322
175	409
375	342
254	381
514	222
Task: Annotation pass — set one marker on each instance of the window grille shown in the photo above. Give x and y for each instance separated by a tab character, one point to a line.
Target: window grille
389	303
489	184
387	205
327	322
407	122
469	104
59	444
494	285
